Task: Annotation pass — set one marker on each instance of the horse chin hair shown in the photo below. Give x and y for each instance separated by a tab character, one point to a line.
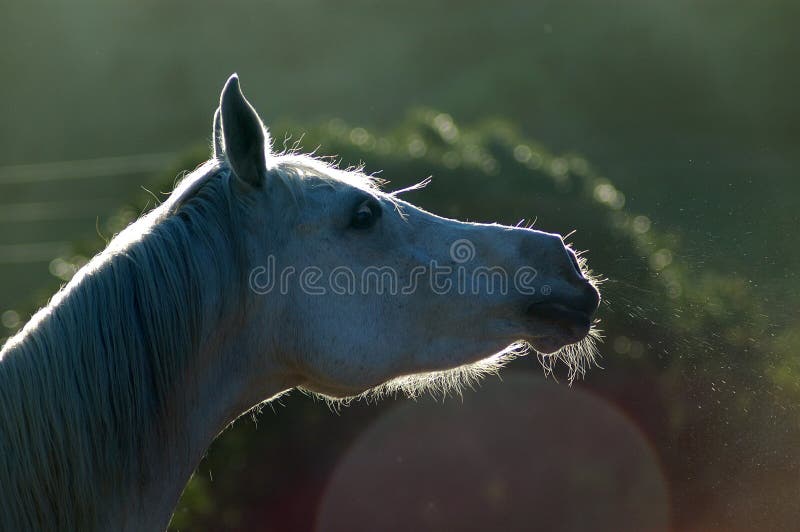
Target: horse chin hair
439	384
577	357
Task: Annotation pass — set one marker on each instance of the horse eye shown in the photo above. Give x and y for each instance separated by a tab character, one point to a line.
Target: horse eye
366	214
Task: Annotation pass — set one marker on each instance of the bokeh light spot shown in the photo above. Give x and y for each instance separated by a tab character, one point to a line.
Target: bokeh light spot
10	319
661	259
521	454
641	224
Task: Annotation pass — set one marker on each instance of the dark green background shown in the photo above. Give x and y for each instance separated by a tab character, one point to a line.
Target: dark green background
688	108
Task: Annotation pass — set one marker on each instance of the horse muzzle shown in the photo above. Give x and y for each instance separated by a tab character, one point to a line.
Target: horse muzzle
566	319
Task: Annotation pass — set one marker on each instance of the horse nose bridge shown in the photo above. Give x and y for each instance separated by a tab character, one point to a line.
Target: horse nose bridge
545	251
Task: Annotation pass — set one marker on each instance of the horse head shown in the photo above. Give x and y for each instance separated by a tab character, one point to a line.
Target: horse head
351	287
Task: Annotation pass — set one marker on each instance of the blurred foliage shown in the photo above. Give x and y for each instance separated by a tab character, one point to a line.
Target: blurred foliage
689	106
690	355
662	95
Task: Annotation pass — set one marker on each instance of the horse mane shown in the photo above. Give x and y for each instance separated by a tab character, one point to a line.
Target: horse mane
98	363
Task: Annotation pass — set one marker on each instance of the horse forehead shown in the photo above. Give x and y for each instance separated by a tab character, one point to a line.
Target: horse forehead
308	170
329	190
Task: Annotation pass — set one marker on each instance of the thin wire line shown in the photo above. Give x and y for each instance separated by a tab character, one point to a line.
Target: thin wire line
85	169
33	252
55	210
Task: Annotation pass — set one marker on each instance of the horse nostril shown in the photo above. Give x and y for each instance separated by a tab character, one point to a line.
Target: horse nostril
573	258
589	299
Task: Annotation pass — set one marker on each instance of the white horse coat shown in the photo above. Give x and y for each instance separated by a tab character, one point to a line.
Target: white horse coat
261	273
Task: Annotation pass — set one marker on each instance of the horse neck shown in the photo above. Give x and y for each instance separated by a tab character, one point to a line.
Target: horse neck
112	393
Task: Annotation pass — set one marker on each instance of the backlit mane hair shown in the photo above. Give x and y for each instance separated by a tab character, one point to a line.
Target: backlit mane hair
111	393
129	321
106	350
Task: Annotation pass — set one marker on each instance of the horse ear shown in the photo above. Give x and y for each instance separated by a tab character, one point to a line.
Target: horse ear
244	135
218	152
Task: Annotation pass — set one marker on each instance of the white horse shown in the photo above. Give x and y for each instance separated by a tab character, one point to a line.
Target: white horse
261	272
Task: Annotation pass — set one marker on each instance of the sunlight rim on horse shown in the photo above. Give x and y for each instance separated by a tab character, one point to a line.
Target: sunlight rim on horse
111	393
